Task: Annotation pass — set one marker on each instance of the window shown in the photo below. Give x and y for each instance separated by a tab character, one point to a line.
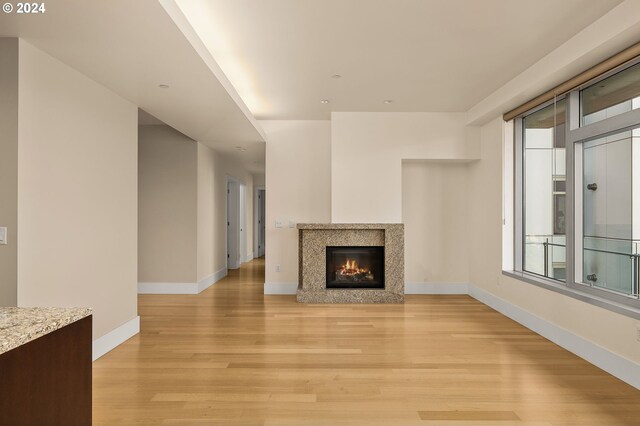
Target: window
577	192
611	96
544	209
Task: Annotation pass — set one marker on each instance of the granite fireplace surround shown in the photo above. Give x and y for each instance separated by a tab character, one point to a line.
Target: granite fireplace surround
313	240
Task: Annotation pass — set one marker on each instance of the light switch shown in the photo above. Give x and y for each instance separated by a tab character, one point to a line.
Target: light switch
3	235
278	224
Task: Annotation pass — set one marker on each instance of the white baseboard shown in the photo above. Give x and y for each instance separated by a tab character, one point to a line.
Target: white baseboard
182	288
167	288
436	288
247	258
614	364
207	282
104	344
280	288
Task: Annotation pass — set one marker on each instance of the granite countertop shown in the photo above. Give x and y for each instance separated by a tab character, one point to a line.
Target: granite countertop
22	325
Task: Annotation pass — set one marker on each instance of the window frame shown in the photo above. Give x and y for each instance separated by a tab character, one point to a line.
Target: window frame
575	135
520	156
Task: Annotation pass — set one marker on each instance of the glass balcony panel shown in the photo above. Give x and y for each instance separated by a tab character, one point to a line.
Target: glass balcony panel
544	192
608	213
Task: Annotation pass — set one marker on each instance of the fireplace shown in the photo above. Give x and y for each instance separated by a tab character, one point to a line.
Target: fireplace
355	267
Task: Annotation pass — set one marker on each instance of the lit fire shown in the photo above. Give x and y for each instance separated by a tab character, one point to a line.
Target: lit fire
351	268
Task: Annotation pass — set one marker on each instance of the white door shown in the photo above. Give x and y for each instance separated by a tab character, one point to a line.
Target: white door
242	255
261	221
233	237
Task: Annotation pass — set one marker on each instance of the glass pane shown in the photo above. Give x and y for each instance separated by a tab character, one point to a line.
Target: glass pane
544	192
611	96
611	212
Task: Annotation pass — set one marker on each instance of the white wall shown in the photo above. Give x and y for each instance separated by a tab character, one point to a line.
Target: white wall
367	150
9	169
77	202
434	213
213	170
298	189
167	187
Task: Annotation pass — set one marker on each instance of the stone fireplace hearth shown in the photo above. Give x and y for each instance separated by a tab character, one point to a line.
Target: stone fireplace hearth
351	263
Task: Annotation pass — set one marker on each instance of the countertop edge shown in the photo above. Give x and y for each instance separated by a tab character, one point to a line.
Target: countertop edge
19	326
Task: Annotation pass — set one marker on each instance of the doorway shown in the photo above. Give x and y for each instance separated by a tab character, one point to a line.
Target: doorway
236	223
259	221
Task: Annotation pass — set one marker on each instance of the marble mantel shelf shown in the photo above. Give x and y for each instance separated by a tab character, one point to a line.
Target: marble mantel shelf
313	240
346	225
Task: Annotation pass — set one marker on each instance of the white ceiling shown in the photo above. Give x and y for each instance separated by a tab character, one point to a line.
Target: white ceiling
133	46
425	55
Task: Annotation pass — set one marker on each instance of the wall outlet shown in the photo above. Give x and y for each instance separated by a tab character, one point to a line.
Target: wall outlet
3	235
277	268
292	224
278	224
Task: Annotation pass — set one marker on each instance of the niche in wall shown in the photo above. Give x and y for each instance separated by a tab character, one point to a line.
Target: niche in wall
435	211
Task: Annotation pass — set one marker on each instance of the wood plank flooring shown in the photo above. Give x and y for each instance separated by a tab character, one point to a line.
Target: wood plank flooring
232	356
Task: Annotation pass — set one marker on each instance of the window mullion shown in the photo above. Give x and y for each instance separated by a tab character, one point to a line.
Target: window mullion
573	122
519	196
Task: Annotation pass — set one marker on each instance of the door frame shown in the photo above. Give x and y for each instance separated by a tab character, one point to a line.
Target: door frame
256	218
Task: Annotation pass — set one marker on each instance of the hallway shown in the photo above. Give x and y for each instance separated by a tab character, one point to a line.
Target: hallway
231	355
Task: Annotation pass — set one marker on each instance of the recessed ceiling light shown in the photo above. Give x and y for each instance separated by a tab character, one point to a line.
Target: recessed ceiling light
324	101
163	86
387	101
336	76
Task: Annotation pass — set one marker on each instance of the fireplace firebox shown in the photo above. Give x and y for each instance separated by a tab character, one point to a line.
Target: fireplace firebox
355	267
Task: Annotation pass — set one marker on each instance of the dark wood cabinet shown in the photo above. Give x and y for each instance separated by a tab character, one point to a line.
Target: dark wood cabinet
48	380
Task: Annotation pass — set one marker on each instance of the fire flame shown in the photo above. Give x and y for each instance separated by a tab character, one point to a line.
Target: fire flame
351	268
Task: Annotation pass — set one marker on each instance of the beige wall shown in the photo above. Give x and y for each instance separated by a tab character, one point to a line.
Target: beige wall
607	329
213	171
208	215
183	214
298	188
259	179
367	150
167	179
77	203
9	169
434	213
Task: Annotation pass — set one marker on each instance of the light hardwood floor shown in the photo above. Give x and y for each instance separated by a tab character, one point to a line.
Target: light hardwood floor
231	355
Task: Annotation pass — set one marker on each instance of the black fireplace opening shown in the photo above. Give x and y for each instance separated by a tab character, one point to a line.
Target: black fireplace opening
355	267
